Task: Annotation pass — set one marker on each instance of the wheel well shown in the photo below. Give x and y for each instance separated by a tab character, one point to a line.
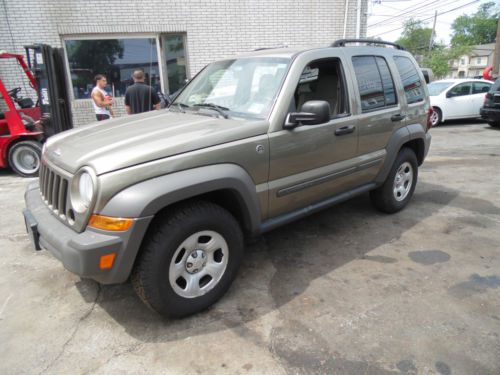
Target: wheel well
418	147
227	199
434	107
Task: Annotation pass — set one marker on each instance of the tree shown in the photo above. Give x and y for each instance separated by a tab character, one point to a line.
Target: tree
415	37
438	59
479	28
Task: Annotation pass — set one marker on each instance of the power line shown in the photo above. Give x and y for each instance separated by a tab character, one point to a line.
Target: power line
406	11
426	19
420	13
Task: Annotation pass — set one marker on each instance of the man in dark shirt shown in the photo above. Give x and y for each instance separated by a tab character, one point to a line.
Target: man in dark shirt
140	97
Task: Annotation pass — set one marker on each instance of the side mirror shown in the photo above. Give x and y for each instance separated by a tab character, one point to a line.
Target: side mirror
313	112
450	94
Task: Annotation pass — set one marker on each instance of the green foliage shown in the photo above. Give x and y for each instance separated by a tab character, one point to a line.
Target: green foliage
438	59
415	37
479	28
96	56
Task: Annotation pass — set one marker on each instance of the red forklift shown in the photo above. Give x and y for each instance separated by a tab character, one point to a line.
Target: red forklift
25	125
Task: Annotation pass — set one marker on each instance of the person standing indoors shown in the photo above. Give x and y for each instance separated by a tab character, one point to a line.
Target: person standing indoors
101	100
140	97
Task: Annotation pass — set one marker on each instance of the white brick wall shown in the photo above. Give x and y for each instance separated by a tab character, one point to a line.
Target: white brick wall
215	29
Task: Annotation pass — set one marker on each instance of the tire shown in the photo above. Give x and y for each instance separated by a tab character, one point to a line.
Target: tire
398	188
494	124
24	158
198	244
437	116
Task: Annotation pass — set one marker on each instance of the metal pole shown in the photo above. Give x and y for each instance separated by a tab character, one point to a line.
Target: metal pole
345	18
433	31
358	20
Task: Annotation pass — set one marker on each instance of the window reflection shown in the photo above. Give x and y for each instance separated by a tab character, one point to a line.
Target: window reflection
115	58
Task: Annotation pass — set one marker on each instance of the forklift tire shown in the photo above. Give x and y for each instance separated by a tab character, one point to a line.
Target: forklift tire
24	158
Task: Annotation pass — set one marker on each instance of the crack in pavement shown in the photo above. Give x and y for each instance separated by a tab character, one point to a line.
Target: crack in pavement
75	330
133	348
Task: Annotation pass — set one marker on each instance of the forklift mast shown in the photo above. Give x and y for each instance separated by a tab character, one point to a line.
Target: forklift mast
47	66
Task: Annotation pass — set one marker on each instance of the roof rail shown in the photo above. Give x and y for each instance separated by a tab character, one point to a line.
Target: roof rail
343	42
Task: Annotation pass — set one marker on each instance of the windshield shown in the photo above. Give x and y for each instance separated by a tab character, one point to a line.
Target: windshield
436	88
243	87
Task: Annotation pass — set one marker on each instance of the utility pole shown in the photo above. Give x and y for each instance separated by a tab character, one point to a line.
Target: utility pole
433	31
496	54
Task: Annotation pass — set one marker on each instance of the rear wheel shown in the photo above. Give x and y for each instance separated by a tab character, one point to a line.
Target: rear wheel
399	185
189	259
24	158
436	117
494	124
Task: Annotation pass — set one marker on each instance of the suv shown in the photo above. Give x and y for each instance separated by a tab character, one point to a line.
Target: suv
490	111
251	143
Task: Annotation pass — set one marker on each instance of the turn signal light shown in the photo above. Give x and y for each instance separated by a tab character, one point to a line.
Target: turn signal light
114	224
106	261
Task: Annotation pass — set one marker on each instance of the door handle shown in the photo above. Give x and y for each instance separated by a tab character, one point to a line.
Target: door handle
345	130
398	117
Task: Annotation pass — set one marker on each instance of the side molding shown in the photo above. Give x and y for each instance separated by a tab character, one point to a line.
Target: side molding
148	197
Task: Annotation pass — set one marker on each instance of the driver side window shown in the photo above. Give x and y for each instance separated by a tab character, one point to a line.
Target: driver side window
322	80
461	89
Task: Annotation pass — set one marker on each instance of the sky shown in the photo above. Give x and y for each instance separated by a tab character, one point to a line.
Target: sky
384	16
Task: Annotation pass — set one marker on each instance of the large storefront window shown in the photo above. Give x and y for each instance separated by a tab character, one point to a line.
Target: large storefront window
118	58
115	58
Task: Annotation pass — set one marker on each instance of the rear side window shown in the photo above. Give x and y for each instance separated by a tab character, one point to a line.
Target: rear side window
414	90
375	84
480	87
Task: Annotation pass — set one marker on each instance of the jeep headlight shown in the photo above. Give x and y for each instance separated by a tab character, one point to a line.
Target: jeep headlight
83	189
86	188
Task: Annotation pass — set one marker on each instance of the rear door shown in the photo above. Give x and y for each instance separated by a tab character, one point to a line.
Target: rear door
379	110
479	91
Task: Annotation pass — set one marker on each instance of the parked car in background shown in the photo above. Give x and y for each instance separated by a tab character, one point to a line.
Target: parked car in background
490	111
453	99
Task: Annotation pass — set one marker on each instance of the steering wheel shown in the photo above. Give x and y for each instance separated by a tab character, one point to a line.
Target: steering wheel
13	93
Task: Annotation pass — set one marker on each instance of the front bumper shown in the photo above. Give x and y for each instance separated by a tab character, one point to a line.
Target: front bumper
80	252
490	114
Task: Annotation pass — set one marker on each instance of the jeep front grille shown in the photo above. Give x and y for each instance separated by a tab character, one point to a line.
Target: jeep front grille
54	190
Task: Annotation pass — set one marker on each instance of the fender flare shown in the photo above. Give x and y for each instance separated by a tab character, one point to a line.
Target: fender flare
148	197
398	139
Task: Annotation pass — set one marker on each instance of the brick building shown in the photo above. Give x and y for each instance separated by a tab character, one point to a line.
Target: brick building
170	40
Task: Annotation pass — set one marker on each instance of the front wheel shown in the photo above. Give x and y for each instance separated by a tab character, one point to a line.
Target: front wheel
24	158
436	116
189	259
399	185
494	124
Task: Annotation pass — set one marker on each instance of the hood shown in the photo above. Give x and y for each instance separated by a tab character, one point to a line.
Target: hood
123	142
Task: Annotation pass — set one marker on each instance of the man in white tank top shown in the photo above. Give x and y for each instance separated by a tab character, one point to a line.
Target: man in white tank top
101	100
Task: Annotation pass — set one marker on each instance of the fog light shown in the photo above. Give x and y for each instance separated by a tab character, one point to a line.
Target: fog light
106	261
115	224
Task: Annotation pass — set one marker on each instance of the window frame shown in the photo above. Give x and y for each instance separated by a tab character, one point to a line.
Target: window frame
343	86
396	104
162	68
458	85
419	74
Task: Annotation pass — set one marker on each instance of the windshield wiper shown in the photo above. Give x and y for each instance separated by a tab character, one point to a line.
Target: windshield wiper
215	107
181	106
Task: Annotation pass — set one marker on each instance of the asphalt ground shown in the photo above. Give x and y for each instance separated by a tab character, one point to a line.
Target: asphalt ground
345	291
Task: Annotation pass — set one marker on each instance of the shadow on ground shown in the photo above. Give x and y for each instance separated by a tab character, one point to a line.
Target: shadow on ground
281	265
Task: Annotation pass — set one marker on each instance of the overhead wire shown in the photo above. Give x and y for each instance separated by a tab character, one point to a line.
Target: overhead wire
426	19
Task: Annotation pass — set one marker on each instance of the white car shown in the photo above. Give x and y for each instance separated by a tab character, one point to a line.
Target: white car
457	98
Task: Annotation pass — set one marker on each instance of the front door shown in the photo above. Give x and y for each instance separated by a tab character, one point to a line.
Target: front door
310	163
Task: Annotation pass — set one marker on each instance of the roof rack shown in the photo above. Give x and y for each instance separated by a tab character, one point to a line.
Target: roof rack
343	42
